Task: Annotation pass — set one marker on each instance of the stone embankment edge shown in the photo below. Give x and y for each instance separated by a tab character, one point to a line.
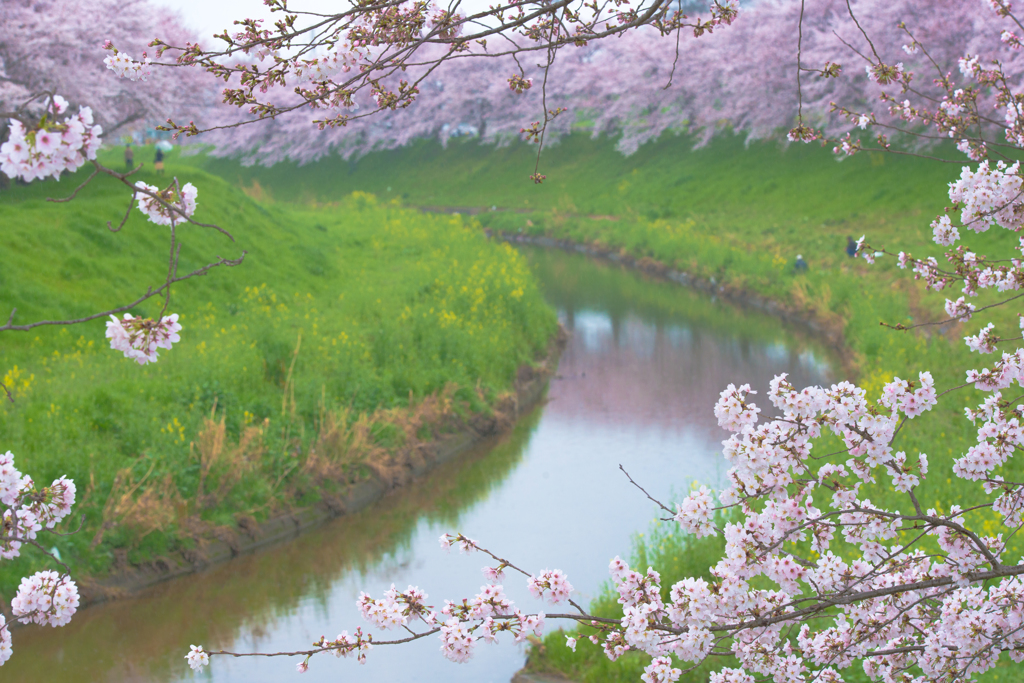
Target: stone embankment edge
528	394
834	338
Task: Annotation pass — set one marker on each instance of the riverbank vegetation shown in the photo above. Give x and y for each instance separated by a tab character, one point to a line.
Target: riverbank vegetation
735	217
351	333
730	214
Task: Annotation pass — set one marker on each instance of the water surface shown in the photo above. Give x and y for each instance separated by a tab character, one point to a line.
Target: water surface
635	386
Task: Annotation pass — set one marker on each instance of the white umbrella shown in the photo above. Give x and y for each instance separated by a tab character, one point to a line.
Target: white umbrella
164	146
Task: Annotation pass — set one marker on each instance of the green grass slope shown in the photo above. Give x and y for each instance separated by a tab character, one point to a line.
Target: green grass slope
340	317
796	194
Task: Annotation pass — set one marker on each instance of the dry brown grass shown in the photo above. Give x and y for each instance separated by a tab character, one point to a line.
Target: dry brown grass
222	465
393	445
257	193
344	442
143	510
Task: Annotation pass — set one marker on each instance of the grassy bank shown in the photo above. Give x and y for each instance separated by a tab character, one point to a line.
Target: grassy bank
350	333
731	214
735	216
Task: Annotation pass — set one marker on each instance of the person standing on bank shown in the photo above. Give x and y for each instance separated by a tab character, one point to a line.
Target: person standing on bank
129	157
800	266
851	247
158	161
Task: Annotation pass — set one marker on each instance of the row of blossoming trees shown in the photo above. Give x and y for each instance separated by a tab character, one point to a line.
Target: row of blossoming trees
815	577
639	87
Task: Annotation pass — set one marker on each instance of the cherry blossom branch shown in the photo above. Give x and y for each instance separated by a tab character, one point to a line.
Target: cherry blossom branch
649	496
120	309
77	189
849	8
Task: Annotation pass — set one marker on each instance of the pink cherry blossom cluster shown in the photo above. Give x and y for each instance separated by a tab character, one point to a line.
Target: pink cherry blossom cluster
46	598
395	608
999	435
739	676
139	338
124	66
494	574
50	146
733	411
983	342
989	196
457	641
5	640
960	309
660	670
550	583
696	513
357	644
346	644
168	206
900	395
489	602
460	625
944	232
466	545
196	658
29	510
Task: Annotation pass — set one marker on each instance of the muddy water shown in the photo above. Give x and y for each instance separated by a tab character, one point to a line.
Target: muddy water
635	387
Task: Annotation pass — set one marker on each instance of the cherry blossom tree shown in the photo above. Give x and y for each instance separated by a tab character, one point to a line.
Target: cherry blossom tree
374	58
816	578
50	46
806	588
640	86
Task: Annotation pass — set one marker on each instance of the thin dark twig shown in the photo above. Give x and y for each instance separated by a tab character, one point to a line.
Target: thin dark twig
799	55
149	294
172	269
127	214
859	53
547	117
74	194
649	496
849	8
675	61
903	328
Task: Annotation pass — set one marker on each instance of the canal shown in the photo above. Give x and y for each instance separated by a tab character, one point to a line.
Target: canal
635	386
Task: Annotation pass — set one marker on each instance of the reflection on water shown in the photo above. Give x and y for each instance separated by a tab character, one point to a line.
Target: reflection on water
635	386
